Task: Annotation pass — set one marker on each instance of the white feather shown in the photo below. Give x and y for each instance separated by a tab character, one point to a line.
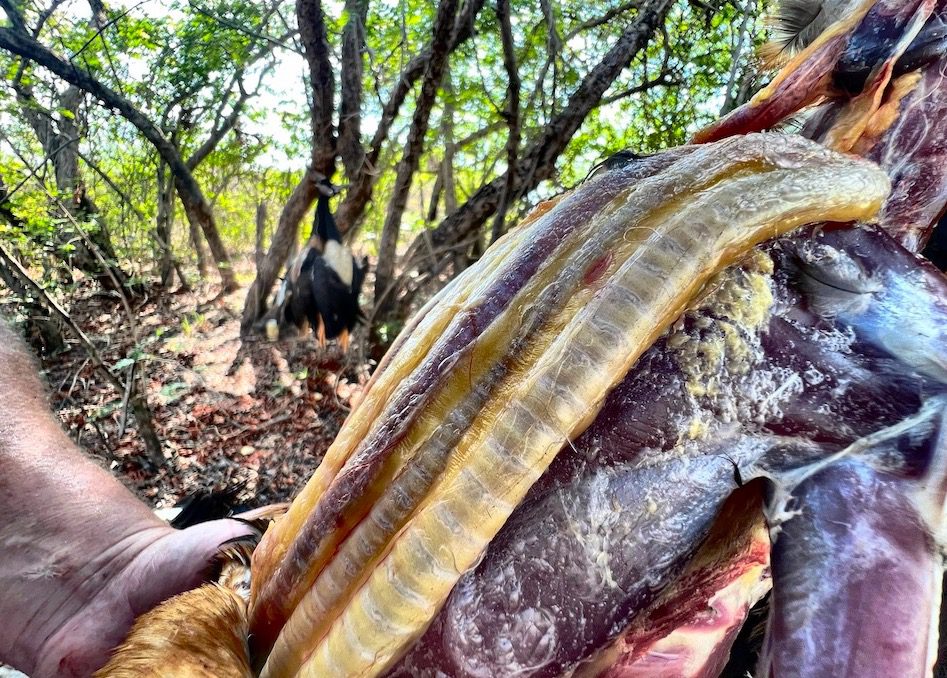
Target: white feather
339	259
281	293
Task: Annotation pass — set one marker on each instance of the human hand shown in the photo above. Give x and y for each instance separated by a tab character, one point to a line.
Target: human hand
83	614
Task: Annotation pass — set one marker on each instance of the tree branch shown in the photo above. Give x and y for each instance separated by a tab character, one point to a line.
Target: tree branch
350	116
538	162
553	47
602	19
220	131
512	115
312	30
13	14
44	16
414	146
189	190
240	28
662	80
735	56
356	199
111	184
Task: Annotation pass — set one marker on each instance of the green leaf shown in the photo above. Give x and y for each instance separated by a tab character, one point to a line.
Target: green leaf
123	363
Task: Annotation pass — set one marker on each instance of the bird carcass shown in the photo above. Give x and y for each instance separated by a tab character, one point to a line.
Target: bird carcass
586	455
323	283
530	482
493	385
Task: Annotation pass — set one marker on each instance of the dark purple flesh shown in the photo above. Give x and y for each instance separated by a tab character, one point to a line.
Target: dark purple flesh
914	153
617	517
853	344
877	39
863	522
929	44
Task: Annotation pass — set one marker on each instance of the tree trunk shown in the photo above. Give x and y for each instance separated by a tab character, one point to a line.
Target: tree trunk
138	401
197	242
350	108
19	42
512	115
414	146
60	143
287	229
538	161
359	193
42	332
260	232
312	32
199	214
164	222
444	185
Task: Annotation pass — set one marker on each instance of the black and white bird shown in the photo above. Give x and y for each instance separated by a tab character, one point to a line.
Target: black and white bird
322	285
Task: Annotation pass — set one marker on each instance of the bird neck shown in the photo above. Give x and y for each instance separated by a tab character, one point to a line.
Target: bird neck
325	222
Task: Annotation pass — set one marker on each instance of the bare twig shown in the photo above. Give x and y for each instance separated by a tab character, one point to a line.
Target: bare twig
129	384
111	184
31	171
276	42
137	398
602	19
410	159
660	81
90	348
44	16
512	115
90	245
735	57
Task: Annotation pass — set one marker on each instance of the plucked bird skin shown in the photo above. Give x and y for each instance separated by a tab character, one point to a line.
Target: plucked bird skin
201	633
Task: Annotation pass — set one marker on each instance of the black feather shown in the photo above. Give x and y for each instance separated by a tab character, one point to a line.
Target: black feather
358	279
796	23
618	159
333	299
204	505
313	292
325	225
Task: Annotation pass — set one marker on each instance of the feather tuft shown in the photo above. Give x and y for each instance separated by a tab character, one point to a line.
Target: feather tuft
198	634
795	24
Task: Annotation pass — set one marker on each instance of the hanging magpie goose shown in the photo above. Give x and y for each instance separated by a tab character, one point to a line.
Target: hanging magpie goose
322	285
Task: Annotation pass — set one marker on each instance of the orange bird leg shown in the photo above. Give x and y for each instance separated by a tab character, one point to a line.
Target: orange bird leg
321	333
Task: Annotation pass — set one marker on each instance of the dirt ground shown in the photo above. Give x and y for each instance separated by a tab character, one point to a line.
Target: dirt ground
256	414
